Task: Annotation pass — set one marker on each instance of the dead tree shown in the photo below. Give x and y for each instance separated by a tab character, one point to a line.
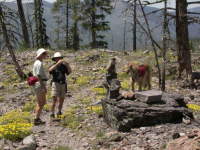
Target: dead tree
165	37
134	26
8	44
152	41
182	40
23	23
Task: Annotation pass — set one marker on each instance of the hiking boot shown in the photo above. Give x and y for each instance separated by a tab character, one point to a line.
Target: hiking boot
52	115
38	121
59	114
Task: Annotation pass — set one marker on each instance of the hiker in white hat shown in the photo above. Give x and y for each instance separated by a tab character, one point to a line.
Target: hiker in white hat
59	70
40	87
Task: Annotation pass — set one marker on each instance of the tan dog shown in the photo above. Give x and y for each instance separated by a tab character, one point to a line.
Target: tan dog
140	74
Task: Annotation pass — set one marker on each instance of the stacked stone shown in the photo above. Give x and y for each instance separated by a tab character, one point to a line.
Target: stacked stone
149	108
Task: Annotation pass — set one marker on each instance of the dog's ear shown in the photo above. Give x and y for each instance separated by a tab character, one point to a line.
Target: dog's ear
128	68
130	65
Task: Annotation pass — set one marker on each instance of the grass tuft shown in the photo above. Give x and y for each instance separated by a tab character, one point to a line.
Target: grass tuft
62	148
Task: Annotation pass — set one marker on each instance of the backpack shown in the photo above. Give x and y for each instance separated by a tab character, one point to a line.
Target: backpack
31	80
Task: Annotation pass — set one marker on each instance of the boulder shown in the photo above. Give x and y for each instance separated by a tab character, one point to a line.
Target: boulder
29	143
175	100
93	58
1	87
126	114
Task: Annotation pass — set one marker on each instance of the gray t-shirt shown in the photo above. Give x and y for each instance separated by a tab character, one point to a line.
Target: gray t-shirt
38	70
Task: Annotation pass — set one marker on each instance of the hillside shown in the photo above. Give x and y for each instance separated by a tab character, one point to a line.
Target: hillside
82	126
116	19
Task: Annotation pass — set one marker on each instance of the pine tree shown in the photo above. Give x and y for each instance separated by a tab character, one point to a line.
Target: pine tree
72	15
61	5
95	12
76	9
40	31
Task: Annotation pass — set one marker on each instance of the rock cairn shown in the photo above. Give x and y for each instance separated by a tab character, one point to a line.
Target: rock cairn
147	109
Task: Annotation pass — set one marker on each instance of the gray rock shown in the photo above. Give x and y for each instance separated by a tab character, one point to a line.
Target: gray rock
175	100
186	121
29	143
2	142
1	87
126	114
115	138
6	148
146	52
149	97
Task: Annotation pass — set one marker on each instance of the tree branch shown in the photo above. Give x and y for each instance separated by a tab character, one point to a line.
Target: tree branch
197	2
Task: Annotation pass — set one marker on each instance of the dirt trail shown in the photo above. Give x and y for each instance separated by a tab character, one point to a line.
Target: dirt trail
53	134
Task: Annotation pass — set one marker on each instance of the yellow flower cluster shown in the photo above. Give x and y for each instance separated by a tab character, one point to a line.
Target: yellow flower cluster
193	107
15	131
96	109
83	80
125	85
99	91
15	125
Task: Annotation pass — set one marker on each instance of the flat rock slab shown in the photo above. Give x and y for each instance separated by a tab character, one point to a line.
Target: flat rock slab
126	114
149	97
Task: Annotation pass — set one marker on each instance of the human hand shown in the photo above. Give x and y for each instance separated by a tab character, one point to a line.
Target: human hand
60	61
65	63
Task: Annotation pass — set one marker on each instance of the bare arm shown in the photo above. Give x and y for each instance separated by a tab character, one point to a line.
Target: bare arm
55	65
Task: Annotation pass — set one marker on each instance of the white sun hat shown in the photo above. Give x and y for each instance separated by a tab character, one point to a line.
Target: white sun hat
40	52
57	55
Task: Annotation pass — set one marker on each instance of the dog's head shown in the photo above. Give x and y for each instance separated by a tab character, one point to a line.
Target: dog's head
131	68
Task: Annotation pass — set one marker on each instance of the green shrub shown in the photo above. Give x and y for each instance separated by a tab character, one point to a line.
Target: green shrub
123	75
29	107
86	100
1	98
47	107
100	134
70	119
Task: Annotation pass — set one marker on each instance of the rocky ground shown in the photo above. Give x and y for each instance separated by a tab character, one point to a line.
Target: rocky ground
85	129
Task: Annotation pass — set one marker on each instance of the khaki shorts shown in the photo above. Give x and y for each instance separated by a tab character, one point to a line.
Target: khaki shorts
38	89
58	89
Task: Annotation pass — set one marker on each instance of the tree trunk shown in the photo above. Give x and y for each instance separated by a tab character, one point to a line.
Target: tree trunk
94	42
124	40
23	23
165	26
36	23
67	24
30	25
9	46
182	40
134	27
76	36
